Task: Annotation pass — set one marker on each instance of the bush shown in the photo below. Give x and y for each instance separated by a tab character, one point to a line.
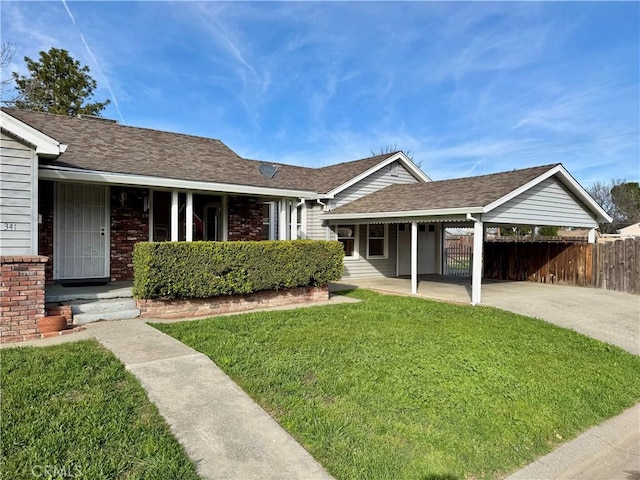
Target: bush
208	269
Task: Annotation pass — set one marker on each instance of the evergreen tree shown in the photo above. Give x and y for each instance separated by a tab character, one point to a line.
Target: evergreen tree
58	84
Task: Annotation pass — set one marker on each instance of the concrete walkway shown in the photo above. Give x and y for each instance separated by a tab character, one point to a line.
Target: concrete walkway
222	429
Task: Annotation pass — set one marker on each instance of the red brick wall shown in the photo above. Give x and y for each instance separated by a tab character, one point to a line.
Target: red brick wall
200	307
245	219
22	297
45	229
129	225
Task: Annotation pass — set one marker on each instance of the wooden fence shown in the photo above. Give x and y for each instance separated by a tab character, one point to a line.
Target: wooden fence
611	265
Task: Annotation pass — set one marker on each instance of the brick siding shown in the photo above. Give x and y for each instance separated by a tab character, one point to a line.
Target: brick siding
200	307
129	225
22	302
245	219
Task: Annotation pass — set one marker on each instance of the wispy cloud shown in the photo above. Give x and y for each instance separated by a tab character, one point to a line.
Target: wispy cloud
95	61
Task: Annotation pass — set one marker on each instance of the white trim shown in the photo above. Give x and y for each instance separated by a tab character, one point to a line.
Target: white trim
414	257
175	217
476	273
356	241
304	219
34	203
44	144
283	211
293	222
402	214
224	214
385	253
399	156
188	219
567	180
50	172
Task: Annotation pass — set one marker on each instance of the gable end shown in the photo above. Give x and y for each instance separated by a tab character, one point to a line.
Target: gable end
547	203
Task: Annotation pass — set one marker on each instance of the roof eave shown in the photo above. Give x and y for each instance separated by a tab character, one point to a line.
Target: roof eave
45	146
403	214
49	172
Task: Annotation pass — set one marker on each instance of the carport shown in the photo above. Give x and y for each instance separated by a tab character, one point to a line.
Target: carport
539	196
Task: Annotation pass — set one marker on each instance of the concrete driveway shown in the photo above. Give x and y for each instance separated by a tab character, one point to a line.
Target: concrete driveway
611	317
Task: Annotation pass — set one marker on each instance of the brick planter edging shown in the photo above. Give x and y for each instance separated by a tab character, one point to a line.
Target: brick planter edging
201	307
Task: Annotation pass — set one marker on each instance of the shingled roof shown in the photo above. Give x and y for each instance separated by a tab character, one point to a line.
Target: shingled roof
106	146
465	192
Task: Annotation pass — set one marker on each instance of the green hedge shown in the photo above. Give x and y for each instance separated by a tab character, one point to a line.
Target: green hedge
208	269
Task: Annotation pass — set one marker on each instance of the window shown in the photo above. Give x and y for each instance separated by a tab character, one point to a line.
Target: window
268	221
347	235
377	241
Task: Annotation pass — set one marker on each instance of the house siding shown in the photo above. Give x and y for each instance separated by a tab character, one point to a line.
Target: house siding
245	218
362	266
129	225
315	229
548	203
374	182
18	197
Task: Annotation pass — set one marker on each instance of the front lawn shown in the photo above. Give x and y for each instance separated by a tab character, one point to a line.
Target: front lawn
401	387
72	411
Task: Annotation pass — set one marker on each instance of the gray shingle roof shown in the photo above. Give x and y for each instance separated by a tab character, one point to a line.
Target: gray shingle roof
458	193
110	147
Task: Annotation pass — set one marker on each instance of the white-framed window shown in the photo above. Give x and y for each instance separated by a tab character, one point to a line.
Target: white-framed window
348	236
377	241
268	221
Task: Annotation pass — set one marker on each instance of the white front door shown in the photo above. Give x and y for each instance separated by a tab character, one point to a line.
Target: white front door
427	254
82	232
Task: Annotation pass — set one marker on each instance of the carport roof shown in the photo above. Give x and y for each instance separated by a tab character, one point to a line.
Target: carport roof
471	195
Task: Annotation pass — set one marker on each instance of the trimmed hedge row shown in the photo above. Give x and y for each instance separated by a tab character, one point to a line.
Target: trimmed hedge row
208	269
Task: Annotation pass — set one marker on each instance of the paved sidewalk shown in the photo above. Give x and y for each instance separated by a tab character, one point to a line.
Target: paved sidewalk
609	451
222	429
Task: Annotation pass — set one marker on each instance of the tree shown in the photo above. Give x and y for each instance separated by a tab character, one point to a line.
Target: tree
57	84
620	199
393	148
626	197
6	55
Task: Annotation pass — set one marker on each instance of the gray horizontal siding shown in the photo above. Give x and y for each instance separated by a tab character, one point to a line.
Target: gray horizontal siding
374	182
315	230
17	198
548	203
363	267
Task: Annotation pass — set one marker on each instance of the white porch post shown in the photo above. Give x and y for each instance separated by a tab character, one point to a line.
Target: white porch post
224	207
189	219
414	257
303	219
476	276
174	216
294	221
282	219
592	236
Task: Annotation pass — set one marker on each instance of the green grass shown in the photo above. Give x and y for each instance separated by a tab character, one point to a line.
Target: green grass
400	387
72	411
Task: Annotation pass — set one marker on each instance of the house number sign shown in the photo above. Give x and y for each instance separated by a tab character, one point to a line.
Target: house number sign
8	226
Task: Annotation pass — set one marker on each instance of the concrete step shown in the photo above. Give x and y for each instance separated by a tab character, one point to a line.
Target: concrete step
99	306
107	309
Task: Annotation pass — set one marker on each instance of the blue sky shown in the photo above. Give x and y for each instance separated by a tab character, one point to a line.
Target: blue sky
468	88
